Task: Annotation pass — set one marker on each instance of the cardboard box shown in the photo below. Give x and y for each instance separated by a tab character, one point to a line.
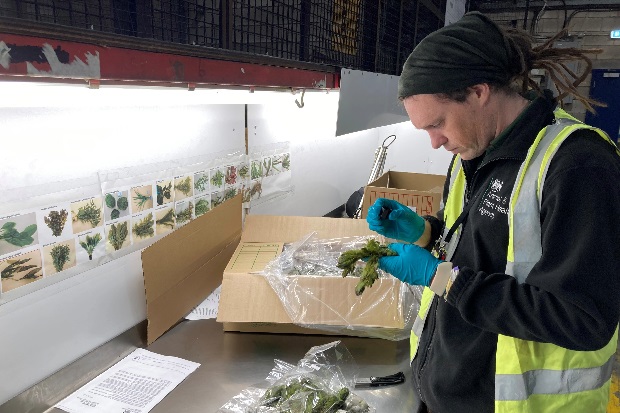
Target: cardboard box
183	268
422	192
248	303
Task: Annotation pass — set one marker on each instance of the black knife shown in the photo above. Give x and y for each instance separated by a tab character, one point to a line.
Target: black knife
380	381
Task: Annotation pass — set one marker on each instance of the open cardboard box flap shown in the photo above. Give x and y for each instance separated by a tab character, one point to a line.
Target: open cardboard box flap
183	268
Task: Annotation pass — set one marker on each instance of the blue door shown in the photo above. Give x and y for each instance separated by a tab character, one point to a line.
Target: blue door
605	87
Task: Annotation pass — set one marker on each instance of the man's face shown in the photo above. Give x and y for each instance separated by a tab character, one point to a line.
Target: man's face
460	127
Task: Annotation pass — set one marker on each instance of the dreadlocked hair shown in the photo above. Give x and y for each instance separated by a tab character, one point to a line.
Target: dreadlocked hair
553	61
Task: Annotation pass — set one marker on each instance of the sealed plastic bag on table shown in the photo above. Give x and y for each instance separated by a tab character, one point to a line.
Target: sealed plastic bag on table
314	295
321	382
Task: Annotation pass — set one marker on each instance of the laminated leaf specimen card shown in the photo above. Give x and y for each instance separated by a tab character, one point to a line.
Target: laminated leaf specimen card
86	214
184	212
58	256
141	198
116	205
203	205
21	269
117	235
164	191
164	220
54	223
183	187
201	182
90	245
142	226
17	232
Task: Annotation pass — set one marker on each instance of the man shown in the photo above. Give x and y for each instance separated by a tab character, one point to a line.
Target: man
523	306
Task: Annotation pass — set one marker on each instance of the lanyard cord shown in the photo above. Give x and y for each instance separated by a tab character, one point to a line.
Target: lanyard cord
462	217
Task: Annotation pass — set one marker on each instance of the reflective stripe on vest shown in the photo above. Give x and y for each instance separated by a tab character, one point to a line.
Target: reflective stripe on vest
454	206
532	376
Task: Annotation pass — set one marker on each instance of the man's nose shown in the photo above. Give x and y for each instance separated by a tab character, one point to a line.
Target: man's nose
437	139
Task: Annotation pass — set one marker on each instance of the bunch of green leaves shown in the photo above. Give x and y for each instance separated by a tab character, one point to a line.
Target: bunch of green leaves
56	220
185	186
304	395
60	256
218	178
89	213
257	170
202	207
18	266
286	161
200	184
140	199
144	228
164	192
167	220
371	252
90	243
122	203
186	214
11	235
117	235
243	171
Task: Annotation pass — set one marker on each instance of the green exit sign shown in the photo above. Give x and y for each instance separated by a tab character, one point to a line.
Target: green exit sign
615	34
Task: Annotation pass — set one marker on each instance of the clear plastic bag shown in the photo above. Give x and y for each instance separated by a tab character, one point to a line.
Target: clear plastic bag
321	382
386	310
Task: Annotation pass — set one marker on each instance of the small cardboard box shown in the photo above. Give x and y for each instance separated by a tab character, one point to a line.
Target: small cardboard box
248	303
421	192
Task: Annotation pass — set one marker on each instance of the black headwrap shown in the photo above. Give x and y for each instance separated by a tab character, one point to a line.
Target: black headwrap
471	51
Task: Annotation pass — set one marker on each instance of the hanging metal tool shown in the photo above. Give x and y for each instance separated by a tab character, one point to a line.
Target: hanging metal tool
377	167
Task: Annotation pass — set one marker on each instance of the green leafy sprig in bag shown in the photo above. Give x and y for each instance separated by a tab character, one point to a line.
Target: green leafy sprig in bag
372	251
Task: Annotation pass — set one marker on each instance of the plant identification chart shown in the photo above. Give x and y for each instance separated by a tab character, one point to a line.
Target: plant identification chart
133	385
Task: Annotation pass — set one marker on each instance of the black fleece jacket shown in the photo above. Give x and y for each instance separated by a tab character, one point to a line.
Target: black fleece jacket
572	295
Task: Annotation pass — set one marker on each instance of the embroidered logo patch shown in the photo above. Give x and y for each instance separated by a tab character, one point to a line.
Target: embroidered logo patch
494	202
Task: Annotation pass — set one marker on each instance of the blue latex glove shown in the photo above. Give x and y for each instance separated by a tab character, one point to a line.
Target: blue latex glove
402	223
413	265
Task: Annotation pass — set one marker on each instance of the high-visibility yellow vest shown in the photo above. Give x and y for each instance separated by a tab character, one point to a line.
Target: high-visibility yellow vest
532	377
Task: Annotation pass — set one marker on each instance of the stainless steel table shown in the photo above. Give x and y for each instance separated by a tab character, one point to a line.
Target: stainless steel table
231	362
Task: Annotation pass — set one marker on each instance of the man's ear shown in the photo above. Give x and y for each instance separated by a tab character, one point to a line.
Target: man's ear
482	92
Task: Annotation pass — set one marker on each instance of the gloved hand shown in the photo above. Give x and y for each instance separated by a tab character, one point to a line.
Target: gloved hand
413	265
402	223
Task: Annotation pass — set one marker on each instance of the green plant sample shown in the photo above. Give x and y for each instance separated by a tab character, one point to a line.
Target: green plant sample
167	220
122	203
17	267
257	170
115	213
186	214
286	161
164	192
372	251
141	199
244	171
11	235
144	228
218	179
60	256
89	213
202	207
117	235
308	394
56	220
201	183
184	186
110	201
90	243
